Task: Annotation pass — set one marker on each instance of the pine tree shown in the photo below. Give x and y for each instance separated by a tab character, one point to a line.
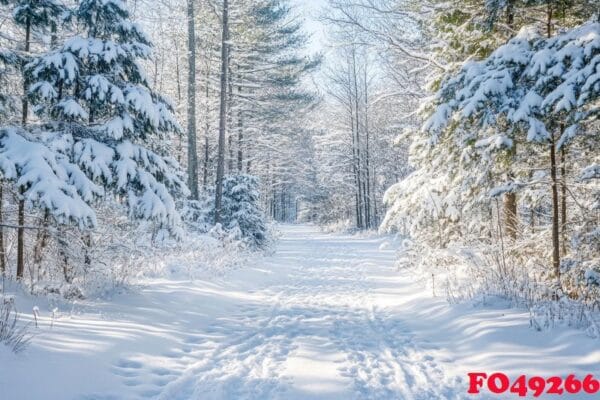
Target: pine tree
270	99
34	17
536	90
93	89
241	208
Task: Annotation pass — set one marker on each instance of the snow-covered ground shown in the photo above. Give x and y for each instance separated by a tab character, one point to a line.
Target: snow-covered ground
326	317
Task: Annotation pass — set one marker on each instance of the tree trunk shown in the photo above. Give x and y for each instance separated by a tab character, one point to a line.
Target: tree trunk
367	152
549	15
21	202
553	173
361	184
205	165
2	251
63	254
510	214
555	213
230	152
41	242
374	194
354	167
282	214
178	74
206	131
222	111
240	138
230	157
510	13
87	257
510	199
365	201
25	109
240	154
191	105
356	143
563	205
21	238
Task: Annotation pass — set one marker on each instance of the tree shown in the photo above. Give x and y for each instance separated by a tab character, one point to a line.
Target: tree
241	208
222	111
33	17
93	90
191	109
518	87
9	60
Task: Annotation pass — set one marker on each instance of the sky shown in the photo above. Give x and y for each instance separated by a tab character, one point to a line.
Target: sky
310	11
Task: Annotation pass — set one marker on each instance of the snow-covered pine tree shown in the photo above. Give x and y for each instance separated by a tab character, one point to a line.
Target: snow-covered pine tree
540	91
36	17
241	208
93	90
8	61
242	215
552	15
263	97
47	179
42	179
471	30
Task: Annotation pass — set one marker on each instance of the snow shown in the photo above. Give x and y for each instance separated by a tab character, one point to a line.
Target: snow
141	101
48	180
511	187
568	135
495	142
44	90
537	131
325	317
590	172
546	79
116	126
71	109
529	104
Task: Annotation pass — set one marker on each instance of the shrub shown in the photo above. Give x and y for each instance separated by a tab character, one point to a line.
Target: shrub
12	334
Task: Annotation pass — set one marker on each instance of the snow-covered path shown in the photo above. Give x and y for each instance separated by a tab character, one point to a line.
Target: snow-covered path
302	324
325	317
311	330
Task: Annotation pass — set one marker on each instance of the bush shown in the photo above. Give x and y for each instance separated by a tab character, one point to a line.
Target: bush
11	334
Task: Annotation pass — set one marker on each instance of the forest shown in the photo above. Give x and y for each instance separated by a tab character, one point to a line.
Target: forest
226	199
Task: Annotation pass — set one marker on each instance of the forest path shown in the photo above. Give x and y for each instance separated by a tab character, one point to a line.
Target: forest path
304	323
327	316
